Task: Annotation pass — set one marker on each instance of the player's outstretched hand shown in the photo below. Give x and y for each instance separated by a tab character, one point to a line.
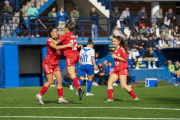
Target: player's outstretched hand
81	46
114	56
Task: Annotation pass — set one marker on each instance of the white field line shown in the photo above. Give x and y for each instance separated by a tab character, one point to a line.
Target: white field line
53	117
144	108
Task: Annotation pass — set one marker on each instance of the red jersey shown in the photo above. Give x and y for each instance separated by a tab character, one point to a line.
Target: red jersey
53	56
69	38
119	65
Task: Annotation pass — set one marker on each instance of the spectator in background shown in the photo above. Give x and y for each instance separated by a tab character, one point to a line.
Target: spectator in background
8	16
148	56
152	31
178	42
157	18
67	78
108	70
52	16
94	21
96	58
124	18
173	41
75	19
166	33
61	15
172	33
99	74
151	42
33	14
133	56
177	69
117	32
162	43
176	31
130	42
144	33
114	16
139	45
105	64
170	66
135	32
148	28
170	16
140	16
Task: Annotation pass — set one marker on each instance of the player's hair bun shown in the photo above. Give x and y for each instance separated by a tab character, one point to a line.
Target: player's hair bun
70	26
90	41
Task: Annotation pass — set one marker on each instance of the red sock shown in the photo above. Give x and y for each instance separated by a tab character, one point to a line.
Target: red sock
76	83
43	90
60	92
110	94
132	94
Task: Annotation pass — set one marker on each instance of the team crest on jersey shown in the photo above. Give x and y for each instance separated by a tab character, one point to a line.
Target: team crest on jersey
119	54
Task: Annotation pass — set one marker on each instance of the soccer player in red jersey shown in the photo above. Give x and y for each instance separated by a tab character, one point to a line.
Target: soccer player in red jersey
120	70
72	55
51	65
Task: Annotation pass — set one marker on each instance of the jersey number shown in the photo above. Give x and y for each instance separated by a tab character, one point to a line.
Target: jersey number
84	58
75	46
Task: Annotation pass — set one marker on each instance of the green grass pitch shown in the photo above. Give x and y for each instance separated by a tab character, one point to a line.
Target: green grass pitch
123	107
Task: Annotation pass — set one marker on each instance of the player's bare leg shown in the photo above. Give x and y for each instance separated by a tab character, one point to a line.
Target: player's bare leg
112	78
44	88
123	81
71	71
59	87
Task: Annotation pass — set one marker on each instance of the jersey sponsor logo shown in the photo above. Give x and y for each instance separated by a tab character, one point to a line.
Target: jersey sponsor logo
73	36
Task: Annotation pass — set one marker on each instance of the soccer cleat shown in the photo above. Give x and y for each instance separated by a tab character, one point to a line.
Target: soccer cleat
40	99
115	84
137	99
89	94
71	87
81	92
108	100
61	100
77	93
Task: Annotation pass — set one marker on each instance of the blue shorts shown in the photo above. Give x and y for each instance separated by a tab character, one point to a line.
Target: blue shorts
86	69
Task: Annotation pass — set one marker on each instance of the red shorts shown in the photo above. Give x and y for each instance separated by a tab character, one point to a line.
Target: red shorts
71	61
121	72
49	69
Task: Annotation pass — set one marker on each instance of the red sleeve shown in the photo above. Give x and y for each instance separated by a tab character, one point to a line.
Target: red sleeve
48	42
62	38
124	54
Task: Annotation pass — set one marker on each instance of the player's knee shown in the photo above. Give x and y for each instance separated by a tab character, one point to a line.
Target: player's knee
50	82
110	82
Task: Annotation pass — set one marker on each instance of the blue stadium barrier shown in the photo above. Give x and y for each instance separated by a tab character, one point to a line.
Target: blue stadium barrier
2	67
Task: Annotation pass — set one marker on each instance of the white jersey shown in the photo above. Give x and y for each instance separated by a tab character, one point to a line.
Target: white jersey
86	54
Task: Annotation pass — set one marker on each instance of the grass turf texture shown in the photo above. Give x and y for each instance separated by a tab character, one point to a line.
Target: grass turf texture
164	96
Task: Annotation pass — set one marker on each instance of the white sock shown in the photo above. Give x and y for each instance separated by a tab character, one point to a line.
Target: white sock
61	98
39	96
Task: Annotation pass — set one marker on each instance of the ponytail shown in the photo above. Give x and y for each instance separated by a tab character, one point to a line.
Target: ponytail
122	42
89	42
